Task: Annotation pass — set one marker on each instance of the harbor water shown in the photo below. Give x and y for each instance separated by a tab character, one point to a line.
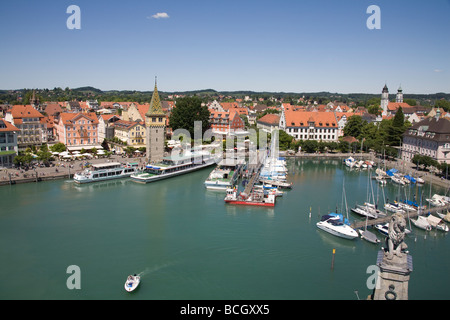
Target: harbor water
187	244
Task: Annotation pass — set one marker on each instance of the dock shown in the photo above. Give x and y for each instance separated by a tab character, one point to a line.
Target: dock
254	169
409	214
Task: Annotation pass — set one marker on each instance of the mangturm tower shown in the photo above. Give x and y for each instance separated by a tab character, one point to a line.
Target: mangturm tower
155	123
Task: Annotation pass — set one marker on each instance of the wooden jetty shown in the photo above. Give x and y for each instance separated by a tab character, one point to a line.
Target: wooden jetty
409	214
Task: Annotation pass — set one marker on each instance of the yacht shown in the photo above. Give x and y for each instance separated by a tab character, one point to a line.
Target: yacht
105	171
368	210
350	162
174	165
384	229
225	175
335	225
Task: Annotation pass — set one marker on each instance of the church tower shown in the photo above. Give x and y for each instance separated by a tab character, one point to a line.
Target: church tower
35	101
155	123
385	99
399	97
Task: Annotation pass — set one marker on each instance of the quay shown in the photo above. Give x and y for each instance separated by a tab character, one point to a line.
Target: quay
407	215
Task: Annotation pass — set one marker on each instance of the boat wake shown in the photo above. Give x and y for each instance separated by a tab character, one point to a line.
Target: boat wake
149	270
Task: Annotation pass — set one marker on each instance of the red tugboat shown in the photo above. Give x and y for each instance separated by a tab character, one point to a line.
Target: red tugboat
255	198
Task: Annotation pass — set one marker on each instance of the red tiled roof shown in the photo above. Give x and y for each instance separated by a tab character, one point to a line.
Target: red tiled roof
27	111
9	126
270	119
69	118
301	119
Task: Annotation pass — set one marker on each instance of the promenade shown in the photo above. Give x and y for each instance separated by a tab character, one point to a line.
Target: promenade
60	170
64	169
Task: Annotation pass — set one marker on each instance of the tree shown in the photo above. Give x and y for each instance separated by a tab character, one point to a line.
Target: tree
285	140
310	146
354	126
187	111
58	147
399	118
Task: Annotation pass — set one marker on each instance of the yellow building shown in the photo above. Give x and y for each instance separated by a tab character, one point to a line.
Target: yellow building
131	132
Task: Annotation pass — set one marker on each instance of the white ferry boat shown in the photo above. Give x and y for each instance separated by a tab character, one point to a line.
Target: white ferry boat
105	171
174	166
225	175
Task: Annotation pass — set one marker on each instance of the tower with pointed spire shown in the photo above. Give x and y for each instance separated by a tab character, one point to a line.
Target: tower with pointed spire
155	122
384	99
34	101
399	97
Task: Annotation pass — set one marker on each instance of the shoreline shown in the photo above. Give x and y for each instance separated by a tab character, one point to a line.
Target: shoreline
68	169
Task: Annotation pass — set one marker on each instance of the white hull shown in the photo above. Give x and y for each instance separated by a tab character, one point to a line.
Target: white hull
132	283
218	186
89	176
342	231
142	178
422	223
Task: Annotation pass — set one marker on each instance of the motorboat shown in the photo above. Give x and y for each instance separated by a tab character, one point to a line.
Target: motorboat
369	210
334	225
350	162
398	180
262	187
384	229
381	179
393	207
437	200
422	223
132	282
276	183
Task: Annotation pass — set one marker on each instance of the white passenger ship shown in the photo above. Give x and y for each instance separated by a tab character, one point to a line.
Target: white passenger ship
105	171
174	166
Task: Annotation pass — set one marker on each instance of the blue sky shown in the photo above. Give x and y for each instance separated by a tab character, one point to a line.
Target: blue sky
283	45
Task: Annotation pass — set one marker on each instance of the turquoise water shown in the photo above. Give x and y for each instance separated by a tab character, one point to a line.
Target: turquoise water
188	244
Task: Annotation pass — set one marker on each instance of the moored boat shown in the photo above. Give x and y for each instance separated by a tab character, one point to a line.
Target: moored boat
422	223
174	166
255	198
225	175
335	226
105	171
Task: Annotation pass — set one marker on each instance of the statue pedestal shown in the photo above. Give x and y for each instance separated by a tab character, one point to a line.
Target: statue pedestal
392	283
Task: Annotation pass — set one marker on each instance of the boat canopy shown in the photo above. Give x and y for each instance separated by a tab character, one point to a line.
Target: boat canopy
413	180
391	172
434	221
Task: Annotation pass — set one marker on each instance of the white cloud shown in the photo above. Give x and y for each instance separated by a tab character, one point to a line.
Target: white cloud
437	70
160	15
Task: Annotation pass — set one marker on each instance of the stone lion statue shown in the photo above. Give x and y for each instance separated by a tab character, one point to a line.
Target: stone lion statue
396	235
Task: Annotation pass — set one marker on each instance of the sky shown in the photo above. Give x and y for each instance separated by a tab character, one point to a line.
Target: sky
227	45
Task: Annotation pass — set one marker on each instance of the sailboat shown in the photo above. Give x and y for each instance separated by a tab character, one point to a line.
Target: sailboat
437	223
422	223
367	235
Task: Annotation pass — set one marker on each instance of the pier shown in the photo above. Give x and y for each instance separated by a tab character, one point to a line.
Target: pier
254	169
407	215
